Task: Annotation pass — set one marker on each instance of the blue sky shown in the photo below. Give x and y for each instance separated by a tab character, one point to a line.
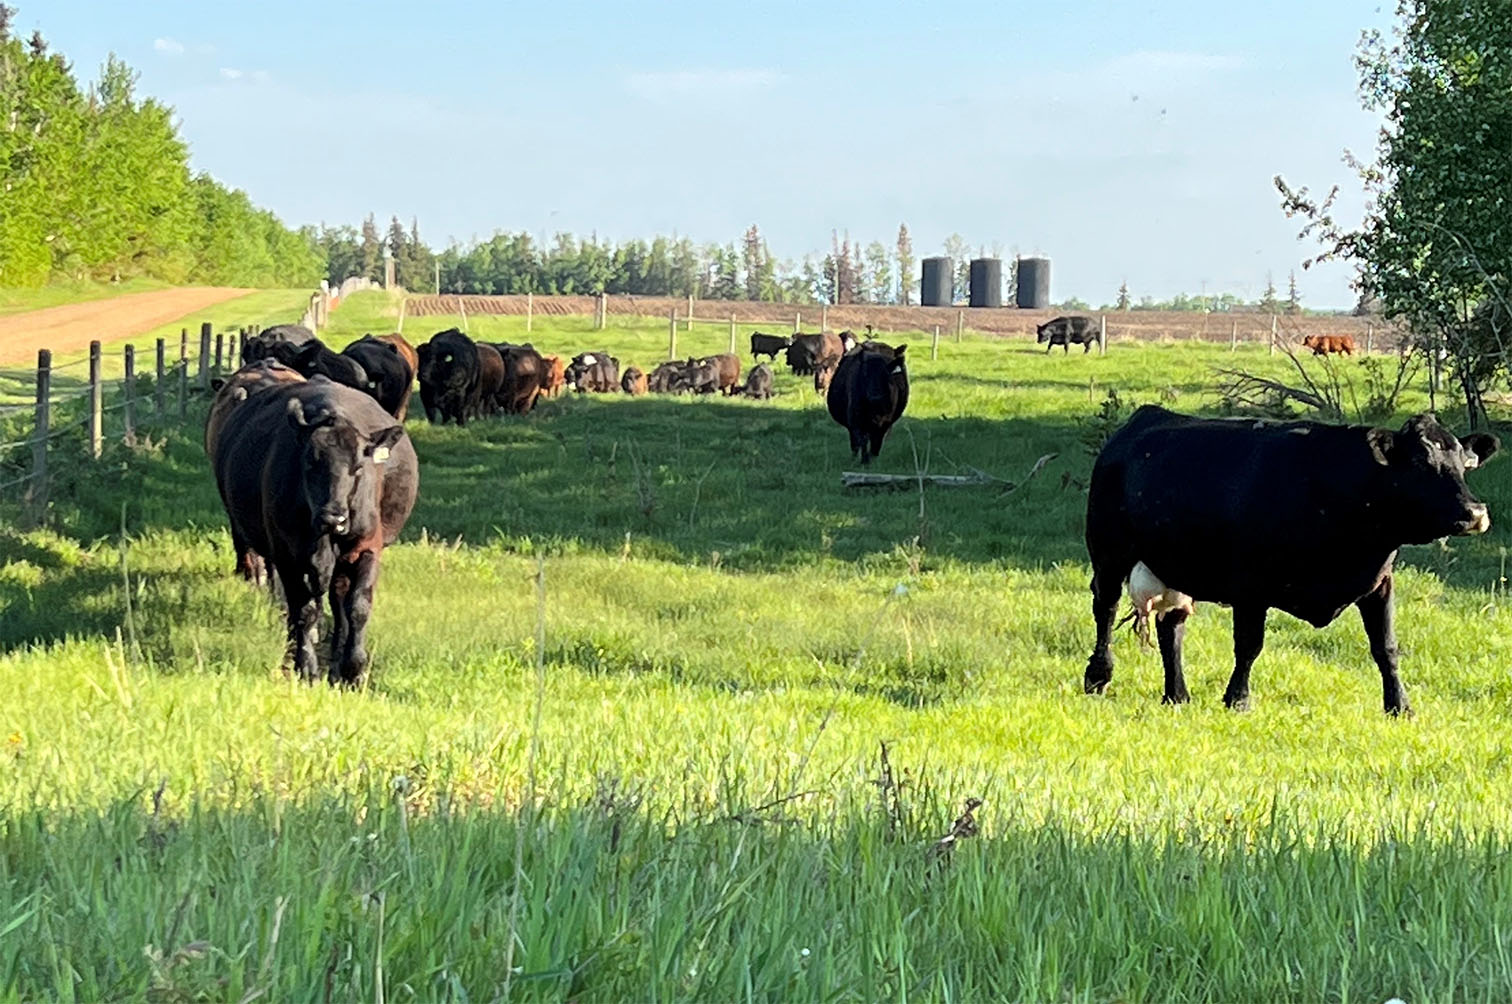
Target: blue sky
1125	140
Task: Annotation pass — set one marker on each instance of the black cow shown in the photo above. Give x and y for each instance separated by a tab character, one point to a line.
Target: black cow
260	346
317	478
449	377
389	377
868	394
670	378
595	372
702	376
312	358
759	382
1299	516
1068	331
768	345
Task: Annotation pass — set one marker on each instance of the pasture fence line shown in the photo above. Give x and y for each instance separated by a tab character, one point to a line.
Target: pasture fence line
88	409
1231	327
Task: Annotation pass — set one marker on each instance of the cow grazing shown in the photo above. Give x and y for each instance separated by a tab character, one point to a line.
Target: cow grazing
1300	516
390	378
670	378
727	364
490	378
868	394
1322	345
230	394
260	346
594	372
556	376
759	382
1068	331
525	373
318	478
449	377
634	381
768	345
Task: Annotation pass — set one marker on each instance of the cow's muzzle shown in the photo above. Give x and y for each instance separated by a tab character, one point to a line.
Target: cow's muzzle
1477	519
333	521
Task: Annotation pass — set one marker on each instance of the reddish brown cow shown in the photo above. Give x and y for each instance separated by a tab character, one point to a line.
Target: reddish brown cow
1322	345
408	354
556	376
490	378
633	381
728	365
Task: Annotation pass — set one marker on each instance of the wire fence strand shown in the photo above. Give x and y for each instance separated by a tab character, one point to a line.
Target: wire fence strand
17	481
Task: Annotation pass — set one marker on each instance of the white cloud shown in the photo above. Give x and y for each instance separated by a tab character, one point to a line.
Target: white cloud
661	85
168	46
231	73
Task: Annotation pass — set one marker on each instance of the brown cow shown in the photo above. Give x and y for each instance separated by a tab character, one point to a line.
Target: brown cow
633	381
556	376
1322	345
490	378
524	374
408	354
728	365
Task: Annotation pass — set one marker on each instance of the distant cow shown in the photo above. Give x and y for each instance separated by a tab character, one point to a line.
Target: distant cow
490	379
1067	331
768	345
313	358
634	381
1322	345
759	383
727	364
702	376
868	394
389	375
595	372
808	353
525	374
260	346
318	478
1186	509
670	378
449	377
556	376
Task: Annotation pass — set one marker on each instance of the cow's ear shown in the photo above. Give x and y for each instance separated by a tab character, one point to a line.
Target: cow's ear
296	413
898	352
383	441
1479	448
217	383
1382	443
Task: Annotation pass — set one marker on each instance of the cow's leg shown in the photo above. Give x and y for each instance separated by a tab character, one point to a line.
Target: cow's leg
1170	629
858	445
1048	347
876	443
362	580
303	620
1249	638
1107	590
341	588
1378	612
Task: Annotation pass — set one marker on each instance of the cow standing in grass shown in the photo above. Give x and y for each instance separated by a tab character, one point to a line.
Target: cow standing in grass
318	478
1323	345
449	377
390	376
868	395
768	345
1299	516
1067	331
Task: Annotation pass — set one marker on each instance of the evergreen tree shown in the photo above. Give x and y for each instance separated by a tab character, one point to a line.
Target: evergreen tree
906	279
1268	302
1293	298
1123	296
372	250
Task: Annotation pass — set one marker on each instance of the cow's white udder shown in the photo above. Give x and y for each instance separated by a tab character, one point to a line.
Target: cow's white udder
1151	596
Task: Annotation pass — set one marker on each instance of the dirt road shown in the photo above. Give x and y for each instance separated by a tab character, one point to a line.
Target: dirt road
72	327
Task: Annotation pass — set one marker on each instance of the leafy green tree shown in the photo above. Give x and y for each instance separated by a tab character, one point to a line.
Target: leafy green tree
906	279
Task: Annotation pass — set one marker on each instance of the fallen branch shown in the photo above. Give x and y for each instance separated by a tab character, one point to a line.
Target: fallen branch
903	482
1267	395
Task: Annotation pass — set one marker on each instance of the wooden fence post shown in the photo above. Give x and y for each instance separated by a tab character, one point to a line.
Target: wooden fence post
183	373
690	311
157	385
672	334
403	302
934	344
1369	337
204	359
824	317
1273	335
220	348
529	310
732	334
96	413
241	348
128	396
960	325
1234	336
797	322
36	490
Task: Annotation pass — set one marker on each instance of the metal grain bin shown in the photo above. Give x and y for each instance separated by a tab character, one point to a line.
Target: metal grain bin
986	282
1033	283
938	283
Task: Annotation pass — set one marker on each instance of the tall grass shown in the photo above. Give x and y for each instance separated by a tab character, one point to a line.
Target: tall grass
726	638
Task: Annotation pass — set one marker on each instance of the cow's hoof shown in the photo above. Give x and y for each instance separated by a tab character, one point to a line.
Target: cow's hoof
1180	697
1403	710
1241	703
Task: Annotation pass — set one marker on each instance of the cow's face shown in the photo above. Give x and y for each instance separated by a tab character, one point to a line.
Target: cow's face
1042	332
1427	465
339	471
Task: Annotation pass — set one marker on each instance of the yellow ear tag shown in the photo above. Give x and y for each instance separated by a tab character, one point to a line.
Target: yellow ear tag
380	455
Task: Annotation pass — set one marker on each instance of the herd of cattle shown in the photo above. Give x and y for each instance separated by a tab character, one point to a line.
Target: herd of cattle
317	476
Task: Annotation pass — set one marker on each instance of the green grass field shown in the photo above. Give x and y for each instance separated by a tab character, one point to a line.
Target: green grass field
681	793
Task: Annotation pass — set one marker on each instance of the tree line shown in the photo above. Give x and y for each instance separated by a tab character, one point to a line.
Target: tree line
96	185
